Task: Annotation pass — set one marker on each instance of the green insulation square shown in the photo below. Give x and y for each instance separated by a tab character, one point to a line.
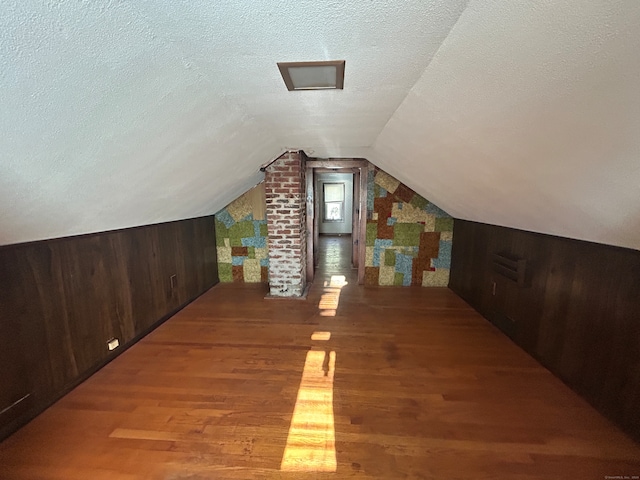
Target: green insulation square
389	257
372	233
407	234
444	224
222	232
239	231
224	272
419	202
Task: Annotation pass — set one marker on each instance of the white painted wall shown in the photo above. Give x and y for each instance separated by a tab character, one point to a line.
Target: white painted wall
336	227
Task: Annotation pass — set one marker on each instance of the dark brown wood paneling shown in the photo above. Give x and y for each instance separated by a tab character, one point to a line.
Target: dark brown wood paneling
579	315
63	299
412	384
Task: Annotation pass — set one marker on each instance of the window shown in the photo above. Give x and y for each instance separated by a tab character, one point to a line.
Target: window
333	202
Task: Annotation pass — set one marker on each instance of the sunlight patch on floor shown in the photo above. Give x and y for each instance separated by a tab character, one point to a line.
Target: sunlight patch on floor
330	299
311	443
321	336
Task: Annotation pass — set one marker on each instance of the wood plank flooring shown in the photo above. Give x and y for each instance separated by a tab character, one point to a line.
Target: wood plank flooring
422	387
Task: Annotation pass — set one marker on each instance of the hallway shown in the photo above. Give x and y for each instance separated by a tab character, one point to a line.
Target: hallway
334	258
354	382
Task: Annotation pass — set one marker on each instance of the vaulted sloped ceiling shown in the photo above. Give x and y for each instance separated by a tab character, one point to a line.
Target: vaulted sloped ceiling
529	117
117	114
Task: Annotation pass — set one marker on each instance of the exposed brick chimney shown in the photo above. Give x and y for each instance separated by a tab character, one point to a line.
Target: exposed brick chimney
286	223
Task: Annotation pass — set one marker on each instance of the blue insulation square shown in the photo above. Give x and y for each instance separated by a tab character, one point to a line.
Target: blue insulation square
404	264
370	194
444	255
225	218
433	210
256	226
258	242
378	247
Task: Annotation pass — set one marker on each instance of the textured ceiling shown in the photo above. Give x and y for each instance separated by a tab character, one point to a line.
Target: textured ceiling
529	117
116	114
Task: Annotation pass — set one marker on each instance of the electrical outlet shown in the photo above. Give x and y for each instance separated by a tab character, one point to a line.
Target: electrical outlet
173	279
113	344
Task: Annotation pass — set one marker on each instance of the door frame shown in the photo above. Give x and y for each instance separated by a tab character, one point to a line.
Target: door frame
360	168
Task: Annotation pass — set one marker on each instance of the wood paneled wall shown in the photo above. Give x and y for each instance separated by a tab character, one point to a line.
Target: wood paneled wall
61	300
578	313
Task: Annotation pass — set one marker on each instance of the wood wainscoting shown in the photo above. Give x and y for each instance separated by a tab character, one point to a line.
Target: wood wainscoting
62	300
577	311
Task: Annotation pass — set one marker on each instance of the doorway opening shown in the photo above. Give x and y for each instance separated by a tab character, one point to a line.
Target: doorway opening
336	207
336	203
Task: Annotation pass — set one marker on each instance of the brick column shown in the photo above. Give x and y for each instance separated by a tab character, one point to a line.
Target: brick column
286	223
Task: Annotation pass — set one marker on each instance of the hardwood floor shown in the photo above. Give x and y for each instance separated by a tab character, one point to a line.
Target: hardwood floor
412	383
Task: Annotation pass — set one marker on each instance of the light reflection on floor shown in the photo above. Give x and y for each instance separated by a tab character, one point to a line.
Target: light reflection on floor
311	443
311	440
322	336
330	299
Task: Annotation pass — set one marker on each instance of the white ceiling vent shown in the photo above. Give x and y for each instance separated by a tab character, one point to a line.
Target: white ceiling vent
313	75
